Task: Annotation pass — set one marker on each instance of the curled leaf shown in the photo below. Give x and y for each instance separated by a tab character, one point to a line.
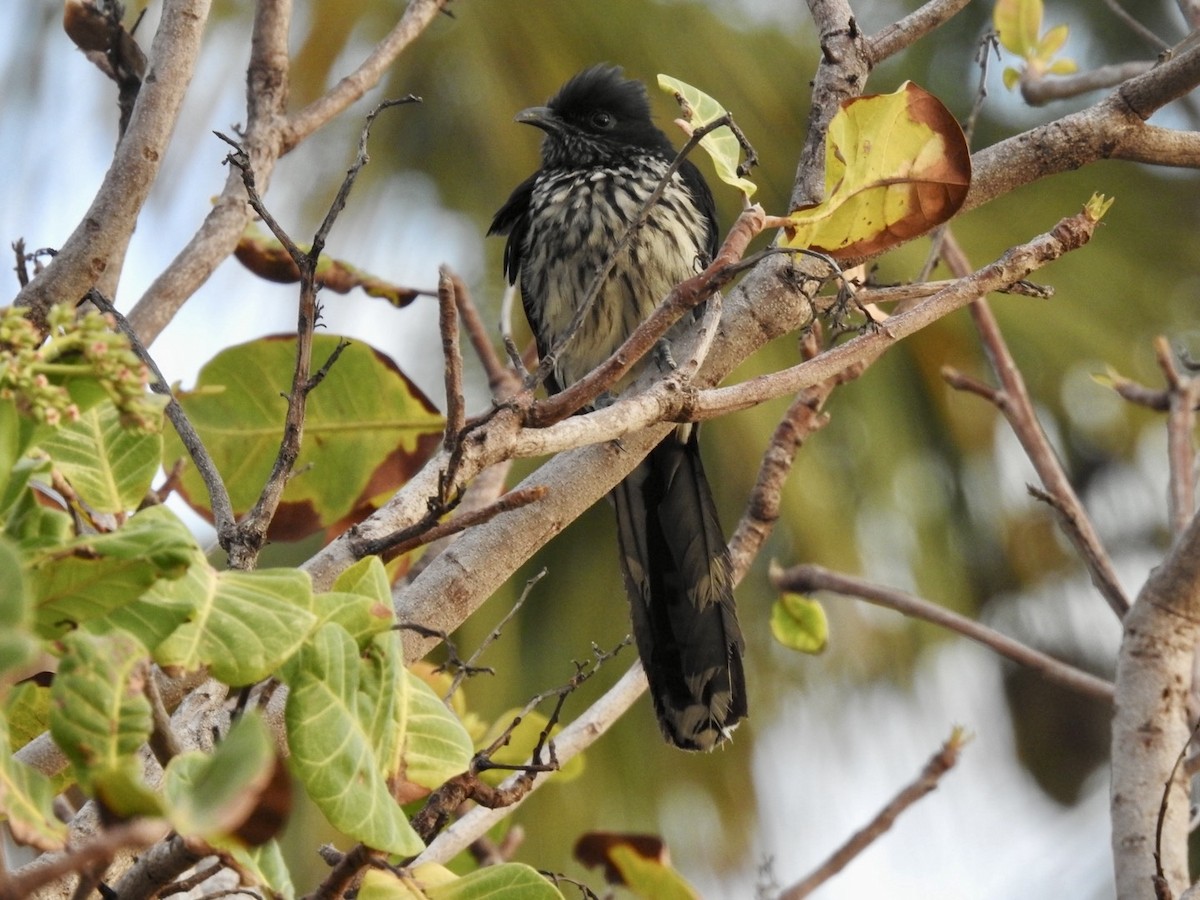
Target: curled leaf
799	623
267	258
721	144
896	165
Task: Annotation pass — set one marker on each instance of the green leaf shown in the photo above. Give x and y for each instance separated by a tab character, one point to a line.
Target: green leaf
163	607
27	801
367	428
91	576
361	601
721	144
17	434
100	716
27	711
650	878
435	746
896	165
799	622
520	746
1019	22
266	865
213	796
33	526
1012	77
508	881
243	625
18	644
109	465
333	722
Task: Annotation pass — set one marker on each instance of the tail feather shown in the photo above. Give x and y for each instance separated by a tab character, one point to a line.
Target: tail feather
676	569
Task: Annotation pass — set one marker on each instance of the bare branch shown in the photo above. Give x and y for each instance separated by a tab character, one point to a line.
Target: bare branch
901	35
572	740
451	359
939	764
1184	393
94	253
1152	721
98	850
1113	128
269	134
806	579
1039	89
1013	401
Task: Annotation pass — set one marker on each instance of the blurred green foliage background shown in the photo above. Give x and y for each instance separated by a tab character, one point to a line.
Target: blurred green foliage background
911	484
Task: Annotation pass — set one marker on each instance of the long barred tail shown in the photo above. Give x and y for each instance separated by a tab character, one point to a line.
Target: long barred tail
676	568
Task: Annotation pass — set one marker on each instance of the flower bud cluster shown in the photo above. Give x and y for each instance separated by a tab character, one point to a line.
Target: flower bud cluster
83	351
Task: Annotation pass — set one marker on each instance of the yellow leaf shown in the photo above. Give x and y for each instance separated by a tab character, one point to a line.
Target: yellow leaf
1019	23
1052	41
1062	67
896	165
1097	206
721	144
1011	77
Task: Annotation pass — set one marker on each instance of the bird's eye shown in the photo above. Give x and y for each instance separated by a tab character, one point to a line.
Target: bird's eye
602	120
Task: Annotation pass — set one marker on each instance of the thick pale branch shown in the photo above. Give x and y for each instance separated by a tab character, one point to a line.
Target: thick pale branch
267	79
269	134
901	35
96	249
1151	724
1114	128
1042	89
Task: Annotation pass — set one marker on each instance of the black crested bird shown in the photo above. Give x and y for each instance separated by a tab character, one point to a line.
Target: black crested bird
602	157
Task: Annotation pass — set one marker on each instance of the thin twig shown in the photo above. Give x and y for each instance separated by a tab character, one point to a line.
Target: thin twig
1015	404
163	741
218	494
1137	27
451	359
493	635
1162	887
426	531
243	549
345	872
808	578
802	418
939	764
501	379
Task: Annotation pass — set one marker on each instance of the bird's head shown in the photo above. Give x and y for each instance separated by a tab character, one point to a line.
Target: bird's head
597	117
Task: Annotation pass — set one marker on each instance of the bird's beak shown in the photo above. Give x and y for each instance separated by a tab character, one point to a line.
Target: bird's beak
539	117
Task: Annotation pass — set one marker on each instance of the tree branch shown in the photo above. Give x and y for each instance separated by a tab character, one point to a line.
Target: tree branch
96	248
808	578
939	764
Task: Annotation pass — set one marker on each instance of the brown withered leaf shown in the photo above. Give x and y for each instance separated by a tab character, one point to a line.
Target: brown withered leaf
267	258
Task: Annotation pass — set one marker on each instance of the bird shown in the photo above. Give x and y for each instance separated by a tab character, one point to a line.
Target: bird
601	158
